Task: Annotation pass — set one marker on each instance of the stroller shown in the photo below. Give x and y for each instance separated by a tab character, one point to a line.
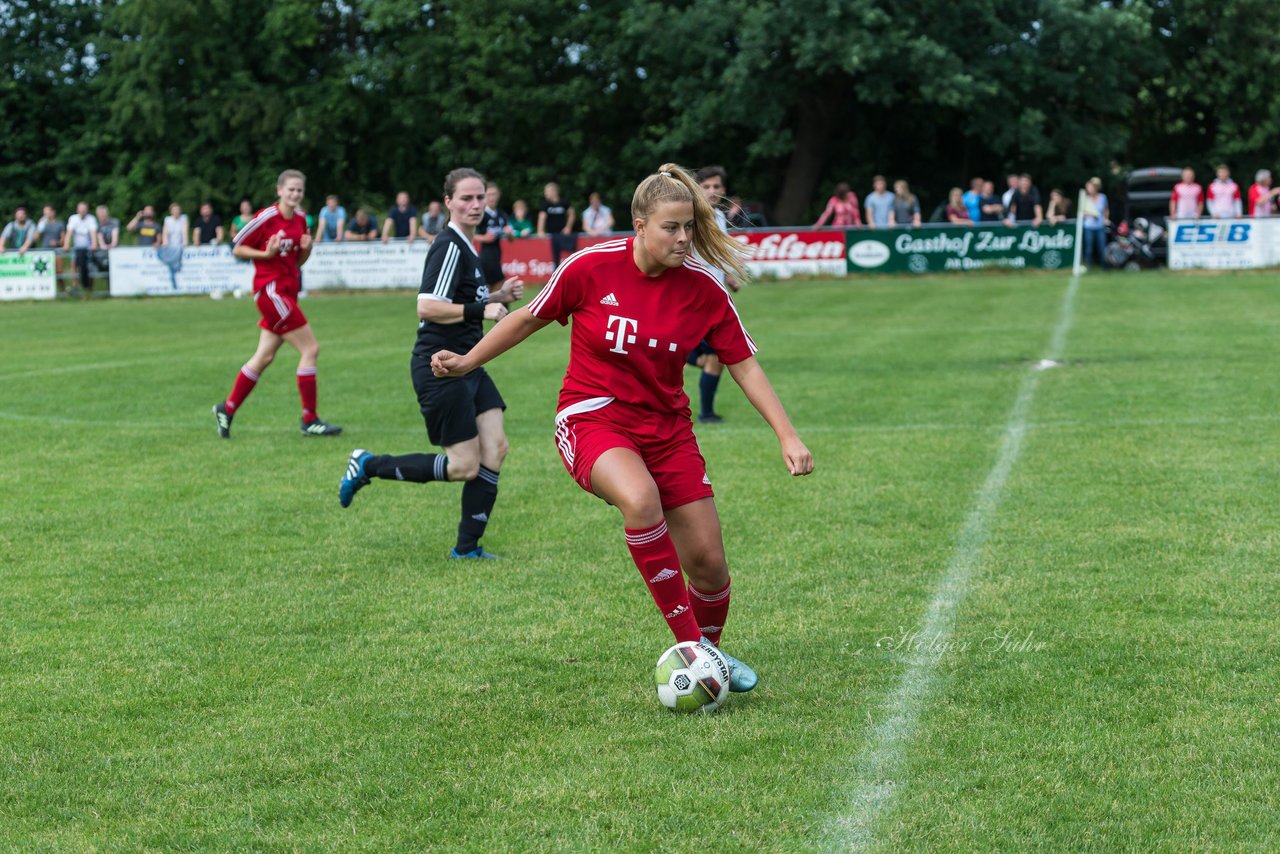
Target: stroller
1135	248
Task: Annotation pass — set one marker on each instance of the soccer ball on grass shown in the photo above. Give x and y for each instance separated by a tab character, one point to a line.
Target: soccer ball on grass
692	677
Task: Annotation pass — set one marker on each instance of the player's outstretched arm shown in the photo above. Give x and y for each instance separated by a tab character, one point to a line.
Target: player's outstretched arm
755	385
510	331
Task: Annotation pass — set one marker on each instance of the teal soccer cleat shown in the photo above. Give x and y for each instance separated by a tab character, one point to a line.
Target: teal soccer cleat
741	677
355	477
478	553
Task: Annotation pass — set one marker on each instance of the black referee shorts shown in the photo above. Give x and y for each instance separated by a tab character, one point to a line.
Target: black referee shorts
450	404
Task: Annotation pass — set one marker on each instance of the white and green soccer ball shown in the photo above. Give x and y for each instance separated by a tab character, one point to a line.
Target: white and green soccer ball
692	677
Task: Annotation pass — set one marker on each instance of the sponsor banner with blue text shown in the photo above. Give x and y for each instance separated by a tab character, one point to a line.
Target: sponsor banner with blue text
1224	244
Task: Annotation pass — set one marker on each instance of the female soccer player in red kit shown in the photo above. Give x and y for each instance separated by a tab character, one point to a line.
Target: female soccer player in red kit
278	243
639	306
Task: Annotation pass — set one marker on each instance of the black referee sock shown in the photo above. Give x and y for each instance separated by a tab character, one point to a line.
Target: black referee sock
419	468
478	497
707	385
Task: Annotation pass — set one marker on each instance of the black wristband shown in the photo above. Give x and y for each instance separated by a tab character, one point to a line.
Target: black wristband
473	311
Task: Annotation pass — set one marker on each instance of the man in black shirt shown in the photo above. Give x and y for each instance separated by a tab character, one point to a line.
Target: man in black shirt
1024	205
207	228
493	228
402	220
555	219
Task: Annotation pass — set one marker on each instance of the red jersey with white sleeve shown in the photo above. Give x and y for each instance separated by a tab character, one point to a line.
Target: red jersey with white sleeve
283	268
632	332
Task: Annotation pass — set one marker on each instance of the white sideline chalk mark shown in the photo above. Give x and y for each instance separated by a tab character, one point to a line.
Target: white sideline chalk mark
878	768
69	369
1046	364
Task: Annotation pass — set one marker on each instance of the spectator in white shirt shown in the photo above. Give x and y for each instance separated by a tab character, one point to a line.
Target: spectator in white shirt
597	219
1222	197
82	236
176	227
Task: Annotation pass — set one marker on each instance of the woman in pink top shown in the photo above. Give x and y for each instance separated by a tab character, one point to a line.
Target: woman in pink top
842	209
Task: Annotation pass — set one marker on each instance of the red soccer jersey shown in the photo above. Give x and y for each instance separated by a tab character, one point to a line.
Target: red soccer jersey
283	268
631	332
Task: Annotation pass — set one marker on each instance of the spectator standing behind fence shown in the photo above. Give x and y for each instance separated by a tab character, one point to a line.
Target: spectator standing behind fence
331	223
972	200
207	230
176	227
1096	213
50	229
556	219
1025	205
991	209
1187	200
1059	209
906	207
842	209
1011	187
879	203
521	225
362	226
957	211
145	224
489	234
108	230
402	220
597	219
19	234
1262	199
1223	196
81	237
108	238
433	221
241	219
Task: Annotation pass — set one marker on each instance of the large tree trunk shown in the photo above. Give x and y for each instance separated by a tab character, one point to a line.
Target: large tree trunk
816	114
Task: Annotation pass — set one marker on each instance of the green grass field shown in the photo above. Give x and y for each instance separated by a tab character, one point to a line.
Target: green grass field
200	649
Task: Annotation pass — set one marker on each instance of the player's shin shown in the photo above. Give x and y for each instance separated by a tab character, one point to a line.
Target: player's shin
655	555
711	609
478	498
417	468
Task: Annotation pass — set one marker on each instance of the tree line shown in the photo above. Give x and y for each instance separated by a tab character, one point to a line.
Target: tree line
134	101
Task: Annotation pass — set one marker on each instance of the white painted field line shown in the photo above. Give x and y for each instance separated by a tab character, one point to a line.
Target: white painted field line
879	768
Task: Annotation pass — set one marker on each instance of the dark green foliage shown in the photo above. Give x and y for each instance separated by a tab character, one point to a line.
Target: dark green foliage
152	101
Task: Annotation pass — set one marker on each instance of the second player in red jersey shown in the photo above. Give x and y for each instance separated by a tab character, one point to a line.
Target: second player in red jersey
639	306
277	241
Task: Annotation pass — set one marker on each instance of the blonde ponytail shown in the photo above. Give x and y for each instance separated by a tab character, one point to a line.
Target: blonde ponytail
673	183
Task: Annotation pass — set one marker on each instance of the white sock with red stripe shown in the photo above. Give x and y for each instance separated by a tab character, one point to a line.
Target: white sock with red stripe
659	565
710	609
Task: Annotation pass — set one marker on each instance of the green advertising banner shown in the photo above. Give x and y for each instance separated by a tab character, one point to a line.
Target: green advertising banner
946	248
29	276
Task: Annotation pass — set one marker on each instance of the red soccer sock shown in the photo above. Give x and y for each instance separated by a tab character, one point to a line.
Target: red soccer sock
307	391
659	565
245	381
710	610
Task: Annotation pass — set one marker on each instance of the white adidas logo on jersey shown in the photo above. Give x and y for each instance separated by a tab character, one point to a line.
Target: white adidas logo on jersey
610	299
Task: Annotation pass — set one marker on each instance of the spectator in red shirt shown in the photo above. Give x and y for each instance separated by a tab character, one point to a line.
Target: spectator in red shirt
1187	201
957	212
1262	198
842	209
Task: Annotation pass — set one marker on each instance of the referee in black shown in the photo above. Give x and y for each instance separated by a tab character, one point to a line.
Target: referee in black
490	234
556	218
463	414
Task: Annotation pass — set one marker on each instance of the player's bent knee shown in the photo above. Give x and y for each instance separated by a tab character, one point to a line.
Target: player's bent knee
464	469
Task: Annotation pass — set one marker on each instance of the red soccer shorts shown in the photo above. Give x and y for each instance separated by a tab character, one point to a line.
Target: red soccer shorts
665	443
279	309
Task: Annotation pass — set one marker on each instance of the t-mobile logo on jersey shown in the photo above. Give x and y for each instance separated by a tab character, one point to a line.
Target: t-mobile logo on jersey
622	335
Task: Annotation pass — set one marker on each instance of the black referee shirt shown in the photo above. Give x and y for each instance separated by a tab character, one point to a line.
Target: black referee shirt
451	274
